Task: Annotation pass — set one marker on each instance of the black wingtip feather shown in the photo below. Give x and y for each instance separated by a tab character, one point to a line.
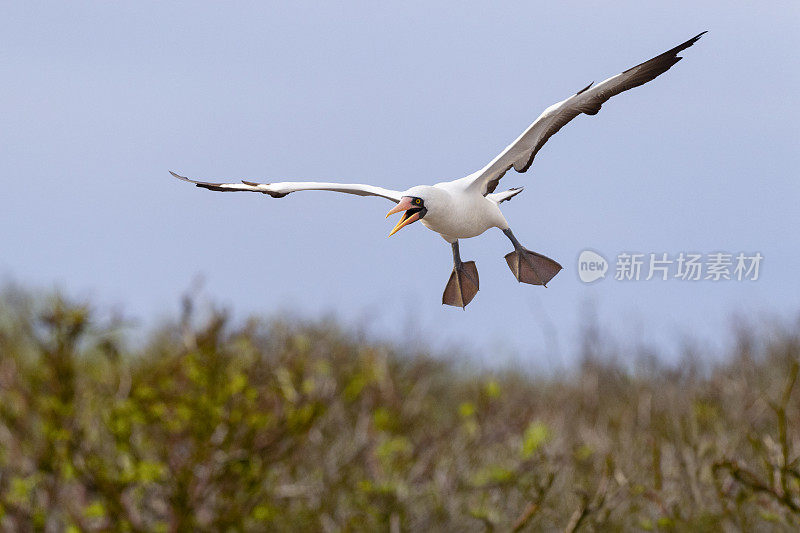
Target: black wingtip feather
584	89
663	62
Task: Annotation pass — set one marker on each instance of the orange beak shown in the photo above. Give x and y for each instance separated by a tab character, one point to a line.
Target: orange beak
404	205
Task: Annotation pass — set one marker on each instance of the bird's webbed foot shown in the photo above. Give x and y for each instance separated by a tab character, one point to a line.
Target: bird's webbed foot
462	286
530	267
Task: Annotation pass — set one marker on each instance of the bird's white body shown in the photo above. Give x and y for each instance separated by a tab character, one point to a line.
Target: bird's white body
456	211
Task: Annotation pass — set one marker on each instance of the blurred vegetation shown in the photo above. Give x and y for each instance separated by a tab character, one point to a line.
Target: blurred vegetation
281	427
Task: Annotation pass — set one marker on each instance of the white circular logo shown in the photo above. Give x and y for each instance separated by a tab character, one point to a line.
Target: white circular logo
591	266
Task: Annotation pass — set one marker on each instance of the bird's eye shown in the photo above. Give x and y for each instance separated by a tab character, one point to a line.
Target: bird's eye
417	201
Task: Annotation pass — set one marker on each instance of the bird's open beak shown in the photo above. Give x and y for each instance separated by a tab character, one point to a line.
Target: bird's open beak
412	214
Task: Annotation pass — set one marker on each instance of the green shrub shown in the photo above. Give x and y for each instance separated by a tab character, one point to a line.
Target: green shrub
273	426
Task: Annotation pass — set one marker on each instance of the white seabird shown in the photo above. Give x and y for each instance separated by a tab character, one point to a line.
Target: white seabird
468	206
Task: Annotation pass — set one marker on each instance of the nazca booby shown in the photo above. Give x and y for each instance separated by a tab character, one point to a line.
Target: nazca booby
468	206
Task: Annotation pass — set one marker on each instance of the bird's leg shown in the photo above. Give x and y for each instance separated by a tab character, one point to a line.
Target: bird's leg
530	267
463	283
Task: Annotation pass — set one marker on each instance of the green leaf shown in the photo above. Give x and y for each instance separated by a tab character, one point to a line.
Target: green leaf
383	419
95	510
492	389
534	437
466	409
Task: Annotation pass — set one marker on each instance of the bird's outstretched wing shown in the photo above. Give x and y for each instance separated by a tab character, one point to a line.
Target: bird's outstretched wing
281	189
521	152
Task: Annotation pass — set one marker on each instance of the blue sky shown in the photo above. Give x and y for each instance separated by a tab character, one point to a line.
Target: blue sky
100	99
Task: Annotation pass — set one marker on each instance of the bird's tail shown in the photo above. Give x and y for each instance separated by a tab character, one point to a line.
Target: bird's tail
505	195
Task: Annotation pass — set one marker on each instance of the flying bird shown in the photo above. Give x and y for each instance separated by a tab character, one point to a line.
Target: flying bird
468	206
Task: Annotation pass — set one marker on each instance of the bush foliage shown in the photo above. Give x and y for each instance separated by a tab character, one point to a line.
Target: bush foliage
271	426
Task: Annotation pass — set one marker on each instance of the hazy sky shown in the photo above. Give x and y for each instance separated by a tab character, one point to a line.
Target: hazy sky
99	99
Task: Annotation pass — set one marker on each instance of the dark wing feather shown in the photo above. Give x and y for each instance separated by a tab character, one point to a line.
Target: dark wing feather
589	100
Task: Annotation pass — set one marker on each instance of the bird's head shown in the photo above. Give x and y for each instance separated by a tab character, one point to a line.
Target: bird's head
414	208
415	203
